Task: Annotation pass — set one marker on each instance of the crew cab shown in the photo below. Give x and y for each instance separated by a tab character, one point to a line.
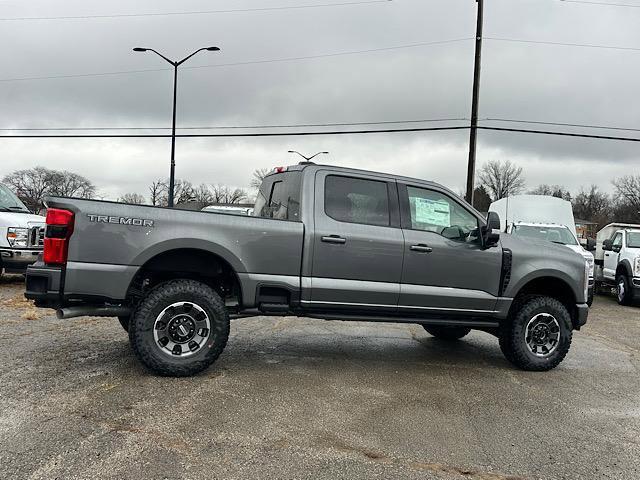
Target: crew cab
21	233
619	260
324	242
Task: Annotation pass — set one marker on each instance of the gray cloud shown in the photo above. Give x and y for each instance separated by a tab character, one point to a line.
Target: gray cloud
537	82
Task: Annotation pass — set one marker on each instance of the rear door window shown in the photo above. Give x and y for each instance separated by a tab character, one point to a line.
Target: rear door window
357	200
279	197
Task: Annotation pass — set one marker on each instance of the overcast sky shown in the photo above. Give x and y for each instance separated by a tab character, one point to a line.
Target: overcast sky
519	81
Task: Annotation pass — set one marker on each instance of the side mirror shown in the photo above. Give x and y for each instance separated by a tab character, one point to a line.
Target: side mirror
607	245
491	233
591	245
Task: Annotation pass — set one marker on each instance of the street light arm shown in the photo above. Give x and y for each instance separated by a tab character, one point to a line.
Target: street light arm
197	51
308	159
162	56
314	156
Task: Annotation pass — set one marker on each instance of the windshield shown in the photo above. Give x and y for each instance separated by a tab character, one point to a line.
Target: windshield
8	201
560	235
633	240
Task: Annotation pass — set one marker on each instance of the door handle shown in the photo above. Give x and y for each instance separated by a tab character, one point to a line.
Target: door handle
421	248
334	239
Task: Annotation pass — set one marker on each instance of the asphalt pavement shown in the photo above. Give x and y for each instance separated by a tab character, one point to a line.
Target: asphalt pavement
297	398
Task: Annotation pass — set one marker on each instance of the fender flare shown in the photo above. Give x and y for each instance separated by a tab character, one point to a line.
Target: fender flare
194	244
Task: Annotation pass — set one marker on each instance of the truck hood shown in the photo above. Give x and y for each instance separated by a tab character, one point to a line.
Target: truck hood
526	243
581	251
15	219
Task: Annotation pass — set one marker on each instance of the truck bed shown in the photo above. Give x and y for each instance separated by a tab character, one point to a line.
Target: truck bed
111	241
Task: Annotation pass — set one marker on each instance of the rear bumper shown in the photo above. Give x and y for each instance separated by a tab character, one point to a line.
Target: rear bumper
582	312
635	281
78	282
44	284
16	260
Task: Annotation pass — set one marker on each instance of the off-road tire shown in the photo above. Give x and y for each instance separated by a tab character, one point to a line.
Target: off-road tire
450	334
627	298
124	321
512	333
141	334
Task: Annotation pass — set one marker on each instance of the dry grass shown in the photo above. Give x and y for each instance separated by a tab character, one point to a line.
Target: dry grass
18	302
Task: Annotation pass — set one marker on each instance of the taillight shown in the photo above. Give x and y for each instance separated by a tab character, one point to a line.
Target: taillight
56	237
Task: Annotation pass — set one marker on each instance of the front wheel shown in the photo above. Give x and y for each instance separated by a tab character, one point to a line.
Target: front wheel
624	293
537	335
180	328
449	334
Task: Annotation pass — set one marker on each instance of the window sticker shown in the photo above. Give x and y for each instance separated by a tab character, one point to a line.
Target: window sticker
433	212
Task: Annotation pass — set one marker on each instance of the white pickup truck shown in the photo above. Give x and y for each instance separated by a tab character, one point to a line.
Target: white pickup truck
618	260
21	233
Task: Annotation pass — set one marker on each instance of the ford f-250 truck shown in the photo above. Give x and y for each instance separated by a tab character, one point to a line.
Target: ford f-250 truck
323	242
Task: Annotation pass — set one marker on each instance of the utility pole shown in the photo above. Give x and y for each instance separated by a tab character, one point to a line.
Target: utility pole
473	133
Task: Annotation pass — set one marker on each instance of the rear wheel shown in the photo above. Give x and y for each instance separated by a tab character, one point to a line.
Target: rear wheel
180	328
624	292
447	333
537	335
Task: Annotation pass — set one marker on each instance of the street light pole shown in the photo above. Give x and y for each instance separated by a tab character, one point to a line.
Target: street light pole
473	135
175	64
308	159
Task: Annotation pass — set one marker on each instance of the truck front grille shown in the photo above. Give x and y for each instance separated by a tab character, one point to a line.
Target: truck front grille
36	237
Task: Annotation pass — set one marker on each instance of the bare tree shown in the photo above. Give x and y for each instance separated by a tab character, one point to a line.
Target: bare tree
552	190
67	184
183	192
592	205
32	185
501	178
258	177
202	194
133	198
628	188
225	194
155	192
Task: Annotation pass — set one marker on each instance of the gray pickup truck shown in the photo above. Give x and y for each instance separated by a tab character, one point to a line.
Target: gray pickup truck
323	242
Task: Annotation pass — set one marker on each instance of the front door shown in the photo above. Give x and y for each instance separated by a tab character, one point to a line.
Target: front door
446	268
611	257
358	244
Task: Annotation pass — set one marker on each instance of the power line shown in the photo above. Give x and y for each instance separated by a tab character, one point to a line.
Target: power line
583	45
261	134
557	124
309	125
240	127
561	134
251	62
589	2
198	12
330	133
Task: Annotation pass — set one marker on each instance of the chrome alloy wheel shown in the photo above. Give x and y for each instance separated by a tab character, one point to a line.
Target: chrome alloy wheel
181	329
542	335
620	290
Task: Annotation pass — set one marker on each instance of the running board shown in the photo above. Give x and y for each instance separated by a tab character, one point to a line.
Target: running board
448	322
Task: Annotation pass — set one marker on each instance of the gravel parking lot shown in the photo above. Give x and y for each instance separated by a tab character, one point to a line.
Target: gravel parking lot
297	398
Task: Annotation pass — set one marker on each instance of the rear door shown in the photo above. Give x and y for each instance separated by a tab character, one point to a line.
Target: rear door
446	267
358	244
